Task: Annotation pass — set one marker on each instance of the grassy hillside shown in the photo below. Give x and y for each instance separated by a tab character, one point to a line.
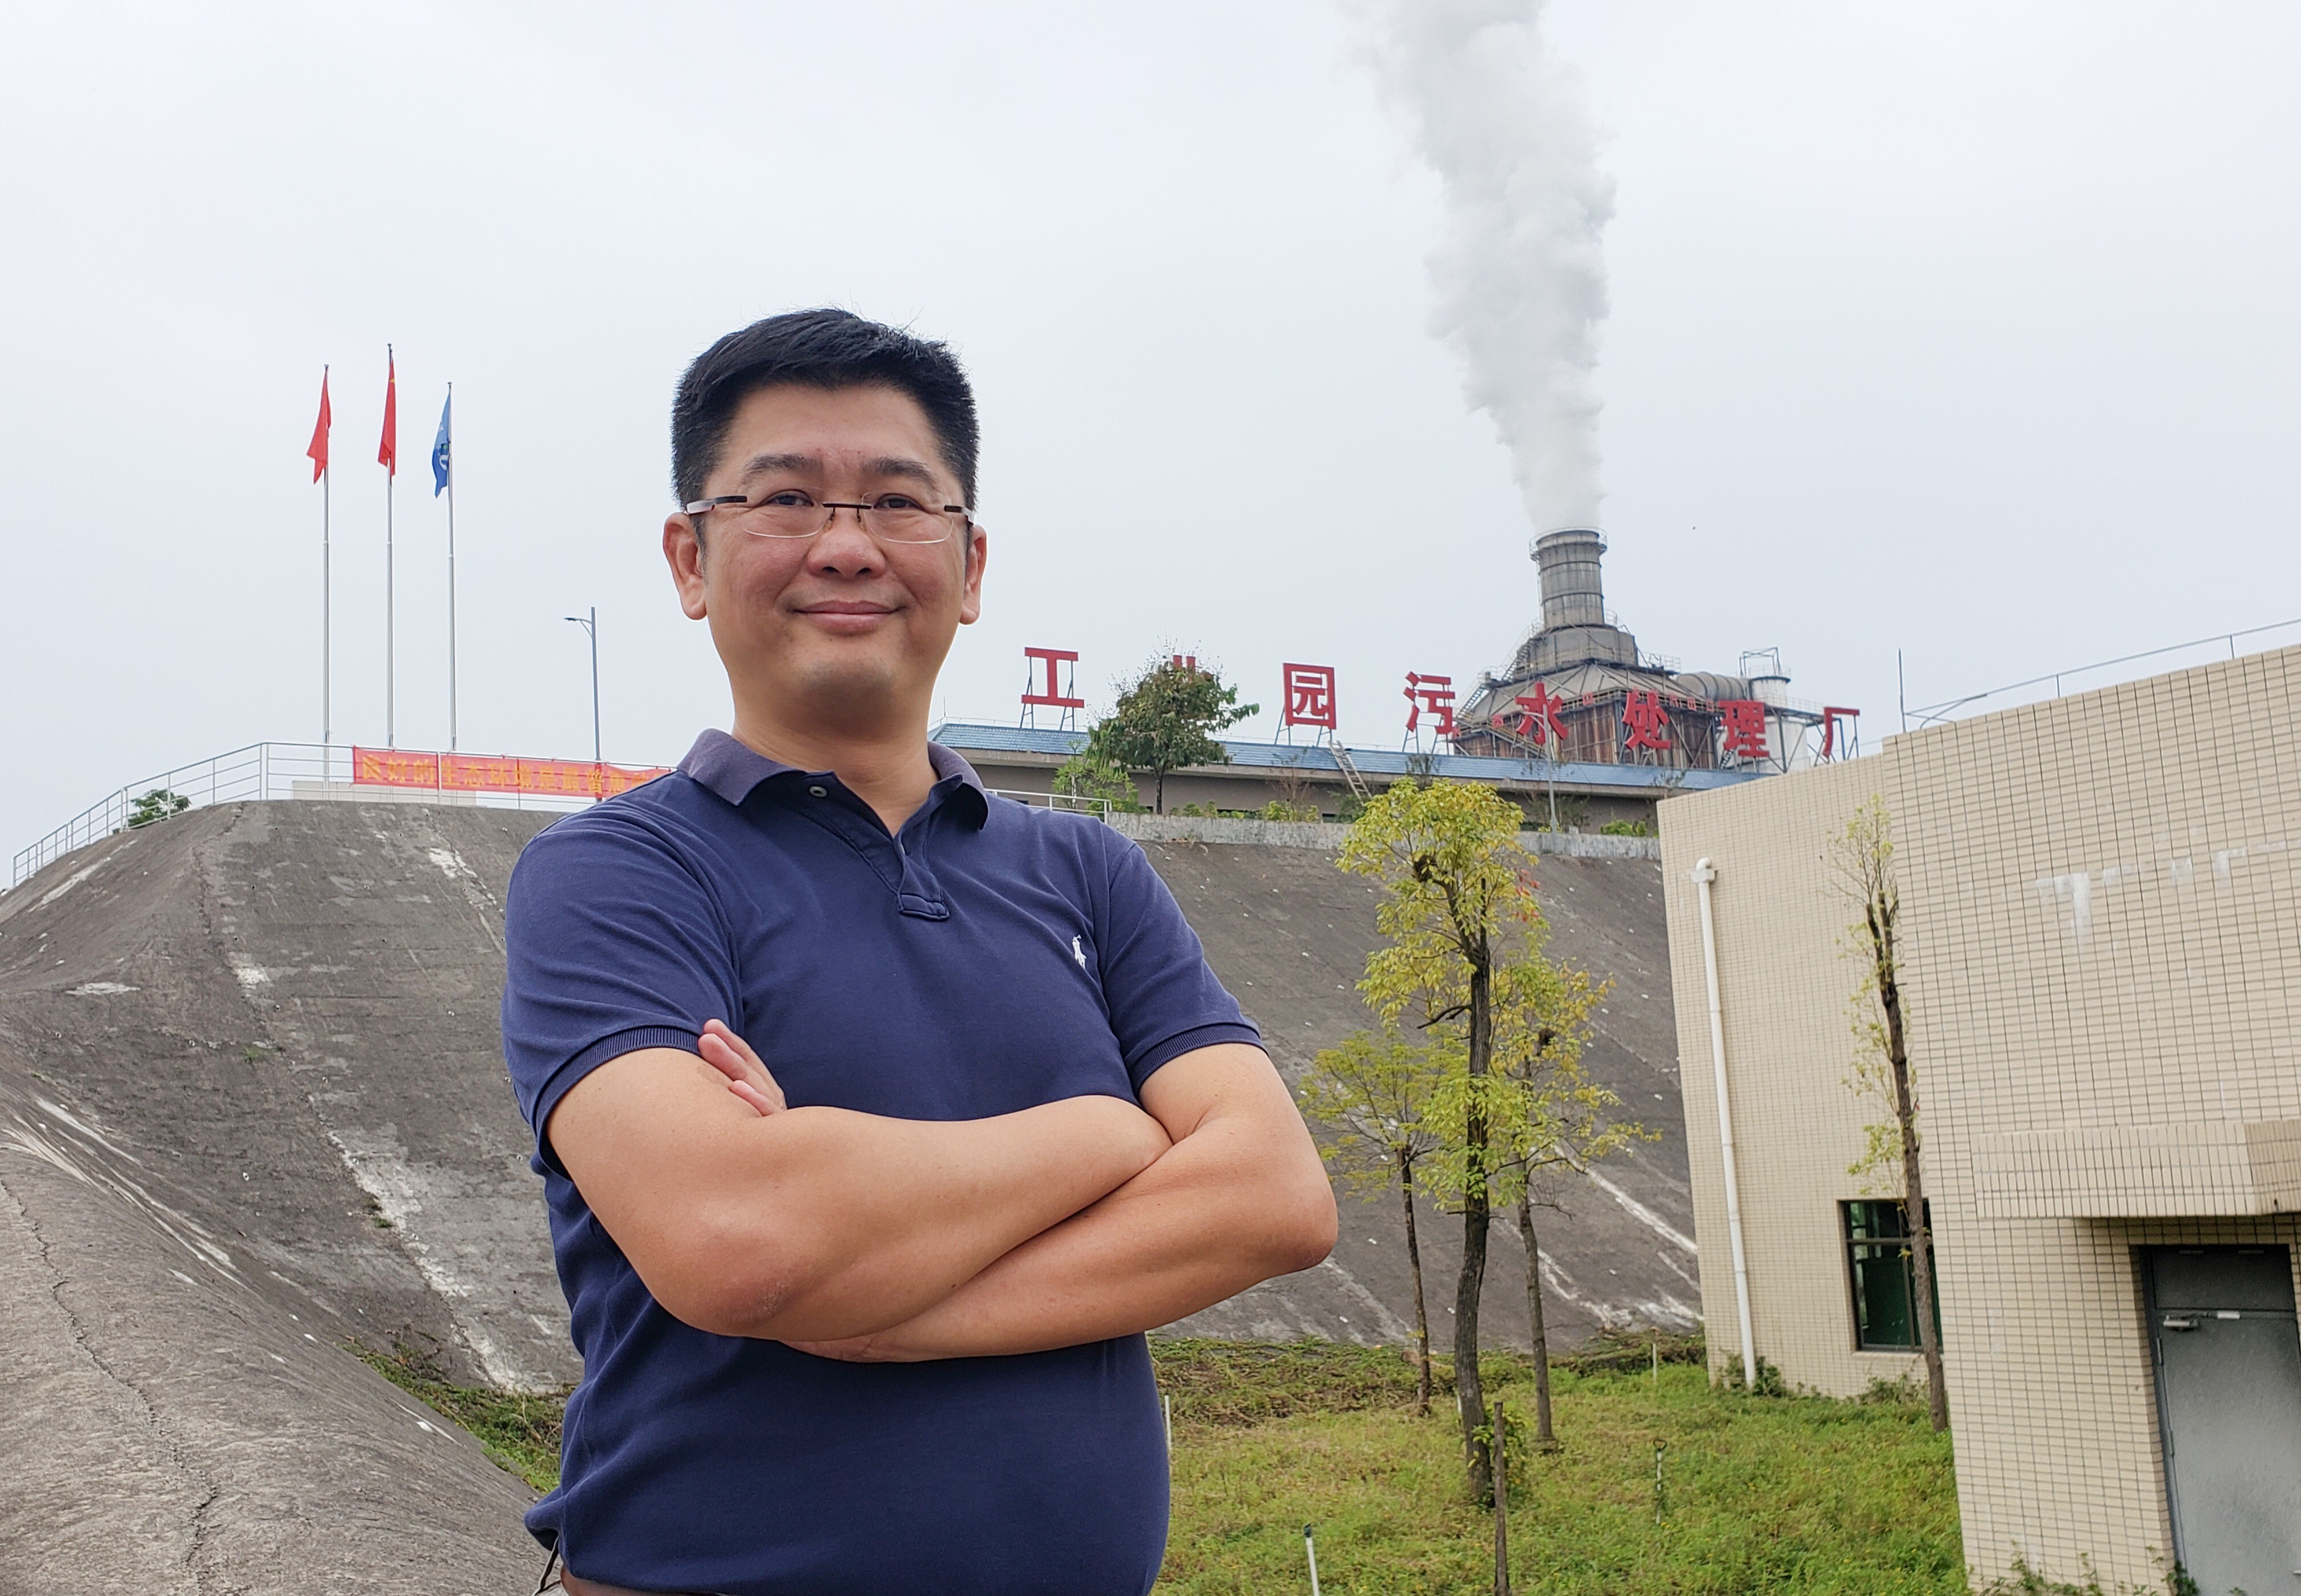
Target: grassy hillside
1763	1494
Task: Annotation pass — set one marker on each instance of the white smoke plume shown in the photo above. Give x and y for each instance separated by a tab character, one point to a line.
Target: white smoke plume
1520	274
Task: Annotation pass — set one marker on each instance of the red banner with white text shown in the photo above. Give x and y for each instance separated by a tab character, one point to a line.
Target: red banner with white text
495	772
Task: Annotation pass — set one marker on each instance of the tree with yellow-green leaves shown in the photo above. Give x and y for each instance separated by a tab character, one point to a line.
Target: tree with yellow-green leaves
1376	1092
1563	1121
1463	964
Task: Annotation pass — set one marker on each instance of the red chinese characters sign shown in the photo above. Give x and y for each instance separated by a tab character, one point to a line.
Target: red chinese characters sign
1310	696
1542	715
1051	695
1647	723
1433	696
1744	722
494	772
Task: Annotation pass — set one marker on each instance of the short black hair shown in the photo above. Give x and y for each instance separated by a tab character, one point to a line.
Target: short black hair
823	348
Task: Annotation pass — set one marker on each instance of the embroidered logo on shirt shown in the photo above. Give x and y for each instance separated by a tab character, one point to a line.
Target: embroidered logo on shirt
1078	953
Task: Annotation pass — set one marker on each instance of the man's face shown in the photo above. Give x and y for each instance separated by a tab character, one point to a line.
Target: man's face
836	632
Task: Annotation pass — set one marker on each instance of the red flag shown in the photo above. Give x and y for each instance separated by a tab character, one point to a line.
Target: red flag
388	455
319	449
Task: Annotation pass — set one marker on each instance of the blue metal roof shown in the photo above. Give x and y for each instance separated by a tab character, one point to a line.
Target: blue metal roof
1371	762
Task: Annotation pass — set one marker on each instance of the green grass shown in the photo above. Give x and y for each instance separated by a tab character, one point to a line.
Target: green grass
1793	1494
520	1432
1764	1494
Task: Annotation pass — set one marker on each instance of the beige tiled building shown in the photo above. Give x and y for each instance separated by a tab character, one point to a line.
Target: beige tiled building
2101	965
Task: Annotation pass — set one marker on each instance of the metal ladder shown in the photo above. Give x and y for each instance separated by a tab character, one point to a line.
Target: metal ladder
1343	762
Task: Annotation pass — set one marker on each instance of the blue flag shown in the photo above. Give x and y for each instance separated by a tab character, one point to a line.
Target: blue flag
440	449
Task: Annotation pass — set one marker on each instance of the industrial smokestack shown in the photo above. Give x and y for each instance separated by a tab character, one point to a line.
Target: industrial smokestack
1572	593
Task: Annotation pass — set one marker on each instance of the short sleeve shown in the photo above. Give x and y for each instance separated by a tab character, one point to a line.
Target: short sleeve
1164	1000
612	943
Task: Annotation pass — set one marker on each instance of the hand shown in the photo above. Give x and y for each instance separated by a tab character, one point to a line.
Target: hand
884	1346
747	1077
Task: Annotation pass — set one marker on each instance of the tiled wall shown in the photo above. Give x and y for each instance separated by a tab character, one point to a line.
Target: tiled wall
2100	931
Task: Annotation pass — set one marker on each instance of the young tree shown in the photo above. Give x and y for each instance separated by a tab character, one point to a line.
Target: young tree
1861	857
158	803
1375	1090
1083	775
1458	914
1166	718
1558	1115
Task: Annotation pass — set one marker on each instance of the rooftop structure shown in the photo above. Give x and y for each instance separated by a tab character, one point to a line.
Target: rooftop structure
1023	760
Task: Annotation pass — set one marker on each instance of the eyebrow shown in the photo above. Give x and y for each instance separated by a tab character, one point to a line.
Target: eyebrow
886	466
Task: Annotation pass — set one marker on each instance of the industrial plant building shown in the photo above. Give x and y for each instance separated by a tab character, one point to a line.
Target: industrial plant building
1582	727
2100	966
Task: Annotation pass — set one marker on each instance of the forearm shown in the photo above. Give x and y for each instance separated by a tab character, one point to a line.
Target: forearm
1210	1218
864	1222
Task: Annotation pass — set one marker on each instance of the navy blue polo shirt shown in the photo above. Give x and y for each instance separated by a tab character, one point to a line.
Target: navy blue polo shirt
989	957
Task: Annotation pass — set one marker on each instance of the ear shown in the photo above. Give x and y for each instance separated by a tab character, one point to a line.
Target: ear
682	550
970	596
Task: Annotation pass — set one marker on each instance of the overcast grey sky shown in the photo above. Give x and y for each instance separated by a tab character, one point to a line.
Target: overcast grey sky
1965	329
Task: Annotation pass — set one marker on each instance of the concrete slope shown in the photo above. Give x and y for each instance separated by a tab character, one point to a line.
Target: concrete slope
186	1241
1290	933
291	1009
171	1424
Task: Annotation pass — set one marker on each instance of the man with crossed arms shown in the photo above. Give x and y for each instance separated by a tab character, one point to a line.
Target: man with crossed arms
878	1118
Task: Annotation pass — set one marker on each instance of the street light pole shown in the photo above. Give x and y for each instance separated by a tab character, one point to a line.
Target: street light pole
592	627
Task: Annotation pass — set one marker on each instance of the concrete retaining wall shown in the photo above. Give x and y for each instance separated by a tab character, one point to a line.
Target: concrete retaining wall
1305	833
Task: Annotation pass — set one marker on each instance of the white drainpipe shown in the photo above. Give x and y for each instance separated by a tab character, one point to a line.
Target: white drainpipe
1703	876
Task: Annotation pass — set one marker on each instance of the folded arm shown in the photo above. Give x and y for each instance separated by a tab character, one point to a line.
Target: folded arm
1240	1196
743	1217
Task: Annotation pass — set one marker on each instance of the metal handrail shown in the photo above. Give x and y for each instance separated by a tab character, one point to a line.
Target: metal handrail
267	772
1069	802
260	772
1934	713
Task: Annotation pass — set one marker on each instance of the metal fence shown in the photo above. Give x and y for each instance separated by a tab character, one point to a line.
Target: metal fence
267	771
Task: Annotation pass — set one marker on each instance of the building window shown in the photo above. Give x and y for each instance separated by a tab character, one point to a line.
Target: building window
1883	1284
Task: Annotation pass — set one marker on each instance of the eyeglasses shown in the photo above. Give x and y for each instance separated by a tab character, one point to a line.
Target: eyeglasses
792	512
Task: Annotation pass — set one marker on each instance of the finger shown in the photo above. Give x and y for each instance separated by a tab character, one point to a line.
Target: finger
755	1098
739	1053
856	1350
742	1047
717	1048
715	1051
761	1093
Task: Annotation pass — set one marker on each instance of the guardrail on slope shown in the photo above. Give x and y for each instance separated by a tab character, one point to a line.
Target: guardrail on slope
268	771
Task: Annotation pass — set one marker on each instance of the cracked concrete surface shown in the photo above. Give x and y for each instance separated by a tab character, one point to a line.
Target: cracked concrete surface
173	1427
184	1251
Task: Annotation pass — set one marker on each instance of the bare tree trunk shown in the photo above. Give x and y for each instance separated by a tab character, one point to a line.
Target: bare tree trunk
1913	1186
1414	1266
1469	1394
1541	1430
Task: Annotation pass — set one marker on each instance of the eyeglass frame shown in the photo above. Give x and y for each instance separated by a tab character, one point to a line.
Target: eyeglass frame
831	508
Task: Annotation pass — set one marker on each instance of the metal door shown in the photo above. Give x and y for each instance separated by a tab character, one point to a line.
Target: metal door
2229	1400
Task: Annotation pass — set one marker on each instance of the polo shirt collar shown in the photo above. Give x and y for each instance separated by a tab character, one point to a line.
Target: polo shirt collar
734	771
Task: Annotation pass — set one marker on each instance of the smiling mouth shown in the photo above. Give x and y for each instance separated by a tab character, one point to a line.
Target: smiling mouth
845	607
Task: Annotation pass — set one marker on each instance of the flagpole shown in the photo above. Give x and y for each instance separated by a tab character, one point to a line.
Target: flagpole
327	649
451	579
390	733
391	475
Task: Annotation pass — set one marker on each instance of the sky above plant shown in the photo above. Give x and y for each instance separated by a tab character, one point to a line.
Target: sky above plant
1965	331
